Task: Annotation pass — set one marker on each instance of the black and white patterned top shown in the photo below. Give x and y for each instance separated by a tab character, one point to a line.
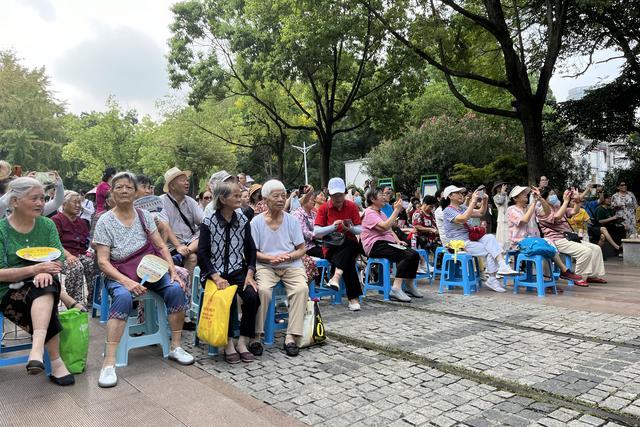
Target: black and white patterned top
226	248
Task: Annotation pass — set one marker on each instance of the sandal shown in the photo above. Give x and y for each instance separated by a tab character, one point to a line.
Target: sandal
232	358
35	367
246	357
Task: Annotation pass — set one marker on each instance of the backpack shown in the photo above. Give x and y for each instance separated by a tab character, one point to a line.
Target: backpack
531	246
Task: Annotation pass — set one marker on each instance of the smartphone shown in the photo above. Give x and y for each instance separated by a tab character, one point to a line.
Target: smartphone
480	190
17	170
302	189
348	223
398	196
45	178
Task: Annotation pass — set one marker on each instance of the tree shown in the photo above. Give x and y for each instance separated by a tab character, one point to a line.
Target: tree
331	59
512	48
102	139
438	145
30	117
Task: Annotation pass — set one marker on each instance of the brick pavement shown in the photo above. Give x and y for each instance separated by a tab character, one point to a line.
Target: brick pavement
395	364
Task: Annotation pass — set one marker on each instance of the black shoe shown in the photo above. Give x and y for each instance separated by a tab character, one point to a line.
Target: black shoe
189	326
291	348
256	348
63	381
35	367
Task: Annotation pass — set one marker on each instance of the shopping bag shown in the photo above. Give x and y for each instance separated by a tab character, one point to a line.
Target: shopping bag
213	324
74	339
313	328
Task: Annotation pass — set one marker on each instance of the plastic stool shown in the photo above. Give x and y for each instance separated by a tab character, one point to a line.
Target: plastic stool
440	250
101	304
531	280
383	284
461	273
155	328
425	256
319	290
568	262
509	255
22	359
275	321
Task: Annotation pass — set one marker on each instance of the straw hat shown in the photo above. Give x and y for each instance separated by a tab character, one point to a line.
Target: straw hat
254	188
172	174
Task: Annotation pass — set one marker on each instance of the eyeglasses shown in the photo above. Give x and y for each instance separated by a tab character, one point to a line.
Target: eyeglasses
207	198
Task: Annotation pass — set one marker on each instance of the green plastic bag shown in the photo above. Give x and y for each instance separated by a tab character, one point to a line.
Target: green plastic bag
74	339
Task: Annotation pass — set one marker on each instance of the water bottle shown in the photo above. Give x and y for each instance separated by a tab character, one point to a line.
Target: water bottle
414	240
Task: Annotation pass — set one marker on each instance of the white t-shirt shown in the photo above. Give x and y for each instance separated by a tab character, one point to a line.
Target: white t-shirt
274	242
439	215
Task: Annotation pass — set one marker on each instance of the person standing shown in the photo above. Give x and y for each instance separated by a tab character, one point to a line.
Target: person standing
625	204
103	188
501	201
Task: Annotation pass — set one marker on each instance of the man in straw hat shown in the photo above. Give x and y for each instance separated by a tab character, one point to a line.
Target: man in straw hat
183	215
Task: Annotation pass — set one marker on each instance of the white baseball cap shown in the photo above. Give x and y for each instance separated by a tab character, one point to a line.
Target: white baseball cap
452	189
336	185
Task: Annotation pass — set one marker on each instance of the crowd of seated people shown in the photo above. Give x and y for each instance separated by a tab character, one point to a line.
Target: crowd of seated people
257	236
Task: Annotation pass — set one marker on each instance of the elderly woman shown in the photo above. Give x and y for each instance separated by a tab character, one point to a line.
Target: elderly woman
341	218
306	216
456	216
557	230
29	292
74	235
280	245
379	241
123	235
227	256
625	204
51	206
255	199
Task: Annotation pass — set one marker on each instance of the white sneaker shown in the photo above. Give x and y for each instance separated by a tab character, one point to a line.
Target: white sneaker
181	356
422	270
507	271
354	307
493	284
108	377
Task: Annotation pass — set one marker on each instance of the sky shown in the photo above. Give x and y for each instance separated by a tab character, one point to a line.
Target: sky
95	48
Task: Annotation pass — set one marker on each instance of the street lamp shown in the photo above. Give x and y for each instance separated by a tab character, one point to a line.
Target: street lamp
304	150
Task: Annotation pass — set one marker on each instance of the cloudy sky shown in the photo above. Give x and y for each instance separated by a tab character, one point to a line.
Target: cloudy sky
95	48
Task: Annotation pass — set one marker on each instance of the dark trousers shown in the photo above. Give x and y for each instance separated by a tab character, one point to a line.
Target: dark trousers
250	304
407	260
315	252
344	258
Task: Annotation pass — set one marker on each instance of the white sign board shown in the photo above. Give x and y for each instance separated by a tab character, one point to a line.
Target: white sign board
356	173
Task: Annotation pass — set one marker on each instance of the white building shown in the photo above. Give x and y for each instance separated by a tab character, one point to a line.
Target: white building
604	156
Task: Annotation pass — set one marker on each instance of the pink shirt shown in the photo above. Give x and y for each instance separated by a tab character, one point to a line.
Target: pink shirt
370	234
517	230
552	228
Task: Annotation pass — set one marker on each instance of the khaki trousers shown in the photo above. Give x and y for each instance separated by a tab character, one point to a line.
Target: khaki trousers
588	257
295	284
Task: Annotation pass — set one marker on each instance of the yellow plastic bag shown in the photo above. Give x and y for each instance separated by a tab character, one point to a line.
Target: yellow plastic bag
213	325
457	246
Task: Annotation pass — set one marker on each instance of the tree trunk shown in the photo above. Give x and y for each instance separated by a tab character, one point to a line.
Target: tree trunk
325	158
531	119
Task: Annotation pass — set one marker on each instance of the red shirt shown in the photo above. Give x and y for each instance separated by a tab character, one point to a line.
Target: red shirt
328	214
74	235
101	196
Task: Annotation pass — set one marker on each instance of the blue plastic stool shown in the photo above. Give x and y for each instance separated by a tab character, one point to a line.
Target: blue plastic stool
22	359
510	255
155	328
568	262
531	280
275	321
100	304
383	284
440	250
461	273
319	290
425	256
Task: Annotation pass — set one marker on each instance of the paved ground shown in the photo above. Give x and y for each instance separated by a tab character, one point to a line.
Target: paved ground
486	359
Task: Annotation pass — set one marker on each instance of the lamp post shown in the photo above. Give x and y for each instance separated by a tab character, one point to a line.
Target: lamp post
304	150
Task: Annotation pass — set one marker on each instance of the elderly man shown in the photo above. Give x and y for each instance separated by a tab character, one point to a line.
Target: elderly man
280	247
242	181
183	215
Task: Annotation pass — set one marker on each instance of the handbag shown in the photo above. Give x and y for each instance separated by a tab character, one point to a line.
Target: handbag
531	246
74	339
313	327
572	237
213	322
129	265
476	233
335	238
